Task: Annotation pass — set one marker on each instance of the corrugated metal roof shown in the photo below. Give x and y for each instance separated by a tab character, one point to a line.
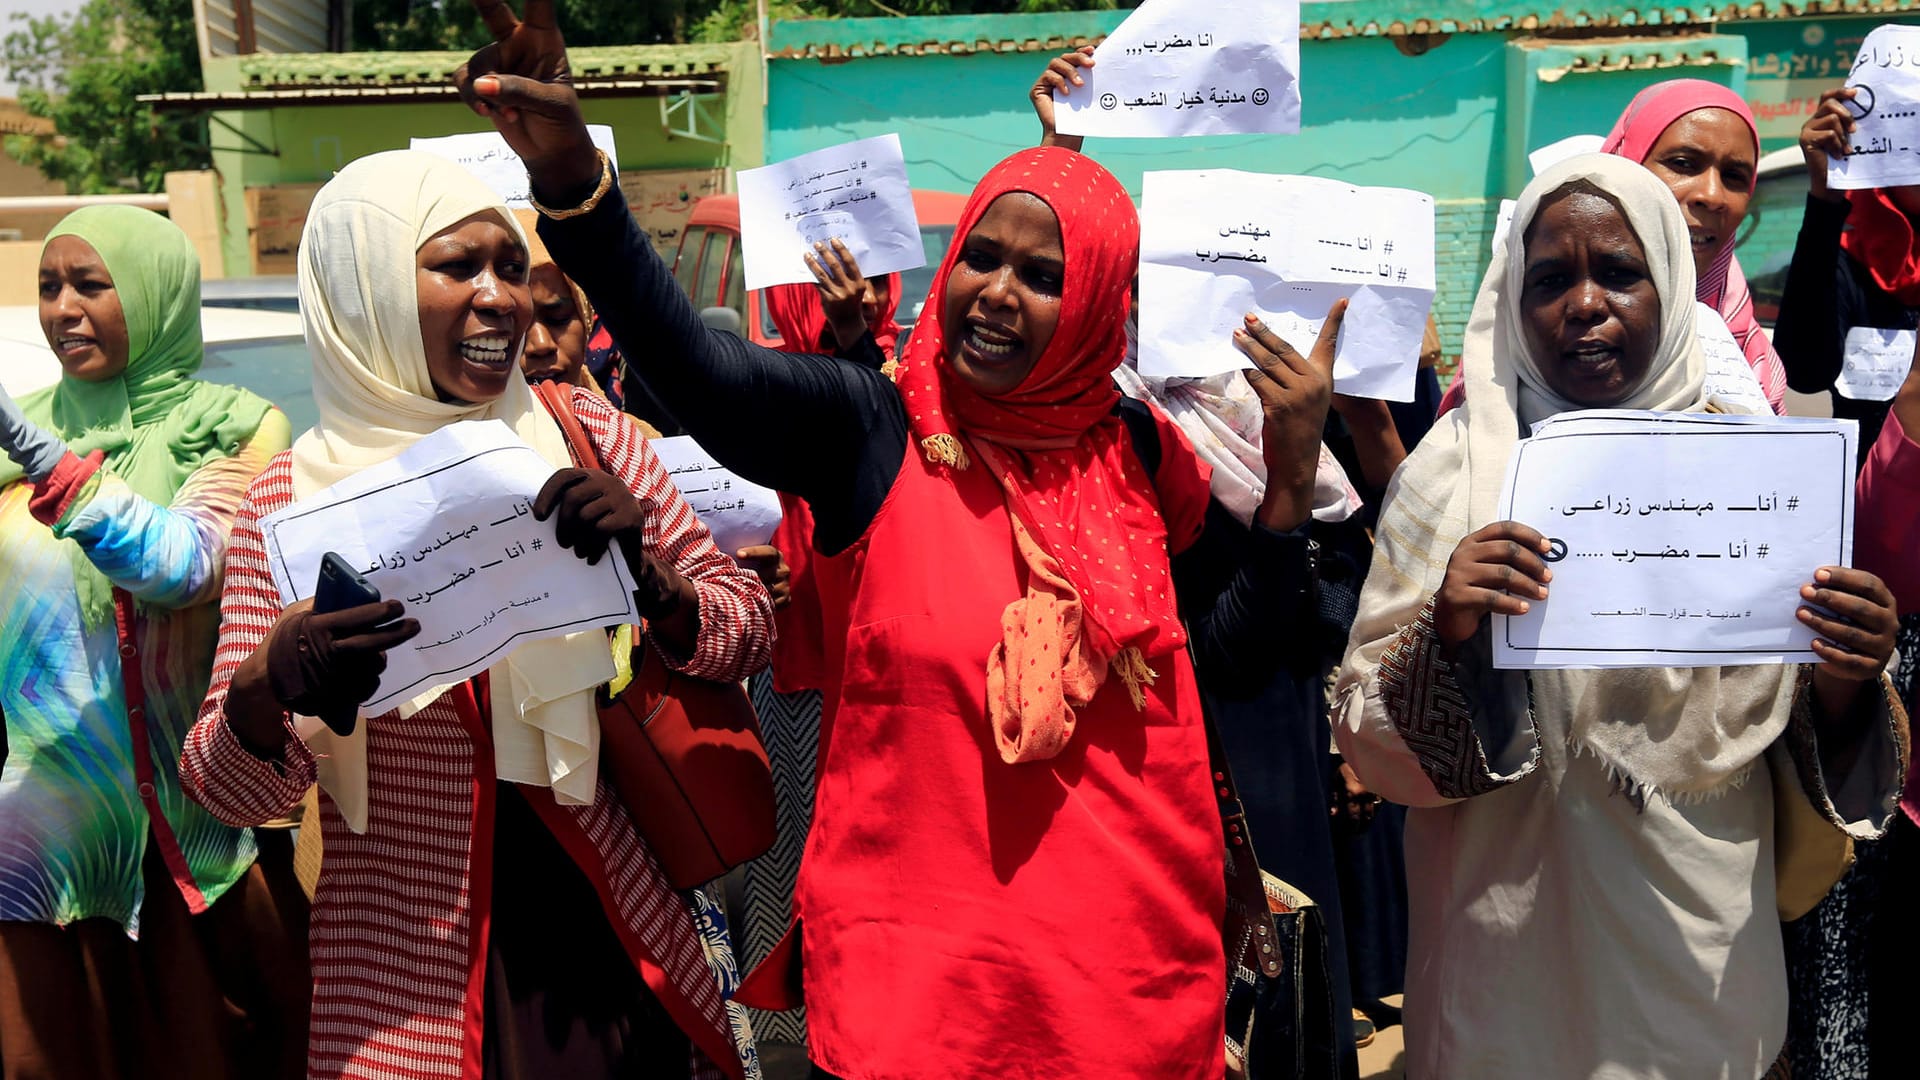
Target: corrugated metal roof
264	71
848	39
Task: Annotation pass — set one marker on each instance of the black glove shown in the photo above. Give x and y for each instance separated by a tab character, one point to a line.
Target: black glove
591	509
327	665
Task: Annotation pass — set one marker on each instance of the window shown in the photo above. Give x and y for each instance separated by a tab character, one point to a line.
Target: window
713	261
688	262
737	286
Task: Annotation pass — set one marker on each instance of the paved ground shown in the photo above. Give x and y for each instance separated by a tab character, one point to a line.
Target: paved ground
1384	1060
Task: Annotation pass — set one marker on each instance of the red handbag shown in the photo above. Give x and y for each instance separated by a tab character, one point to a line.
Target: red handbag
683	753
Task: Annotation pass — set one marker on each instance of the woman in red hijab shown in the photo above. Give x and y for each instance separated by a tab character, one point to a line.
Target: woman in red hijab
843	313
1016	863
1699	137
1854	281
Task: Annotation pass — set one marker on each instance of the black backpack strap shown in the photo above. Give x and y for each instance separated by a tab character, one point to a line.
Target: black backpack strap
1138	416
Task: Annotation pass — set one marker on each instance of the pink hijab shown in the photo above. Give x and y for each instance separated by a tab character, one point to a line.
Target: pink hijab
1722	287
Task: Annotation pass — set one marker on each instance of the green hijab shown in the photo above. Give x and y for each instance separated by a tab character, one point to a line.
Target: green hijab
155	422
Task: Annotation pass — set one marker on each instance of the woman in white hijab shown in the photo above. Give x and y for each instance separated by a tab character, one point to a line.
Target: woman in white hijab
1592	854
463	925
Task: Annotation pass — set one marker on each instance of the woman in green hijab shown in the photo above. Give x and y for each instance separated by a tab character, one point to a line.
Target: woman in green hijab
134	928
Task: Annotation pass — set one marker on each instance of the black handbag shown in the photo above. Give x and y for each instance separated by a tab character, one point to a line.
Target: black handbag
1280	1023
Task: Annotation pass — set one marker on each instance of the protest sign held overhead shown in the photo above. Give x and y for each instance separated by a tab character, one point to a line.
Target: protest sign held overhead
1192	67
1216	244
1884	149
856	192
486	155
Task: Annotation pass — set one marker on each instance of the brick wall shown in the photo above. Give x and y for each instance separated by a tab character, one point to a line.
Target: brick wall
1463	243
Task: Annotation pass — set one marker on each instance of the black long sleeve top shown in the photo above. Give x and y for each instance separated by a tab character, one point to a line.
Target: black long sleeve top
1828	293
836	434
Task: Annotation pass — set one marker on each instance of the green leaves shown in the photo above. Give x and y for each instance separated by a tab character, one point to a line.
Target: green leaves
84	71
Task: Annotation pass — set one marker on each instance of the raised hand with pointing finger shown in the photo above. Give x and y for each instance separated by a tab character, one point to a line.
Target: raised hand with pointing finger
1295	392
522	83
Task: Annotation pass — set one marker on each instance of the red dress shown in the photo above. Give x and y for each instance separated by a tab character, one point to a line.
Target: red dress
968	918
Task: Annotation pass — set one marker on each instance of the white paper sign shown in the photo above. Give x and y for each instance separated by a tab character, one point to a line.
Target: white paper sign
1556	152
447	529
739	513
486	155
1679	539
1730	376
1216	244
1192	67
856	191
1885	150
1875	363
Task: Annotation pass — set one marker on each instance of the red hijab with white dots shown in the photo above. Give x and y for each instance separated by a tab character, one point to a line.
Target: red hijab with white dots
1087	519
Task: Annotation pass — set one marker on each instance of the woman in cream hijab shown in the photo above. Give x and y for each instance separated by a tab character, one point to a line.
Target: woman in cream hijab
1592	854
485	906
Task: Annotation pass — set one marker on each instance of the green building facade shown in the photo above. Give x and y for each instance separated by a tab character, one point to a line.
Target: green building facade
1444	97
296	118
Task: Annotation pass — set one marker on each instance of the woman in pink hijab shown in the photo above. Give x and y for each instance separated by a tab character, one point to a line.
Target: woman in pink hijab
1699	138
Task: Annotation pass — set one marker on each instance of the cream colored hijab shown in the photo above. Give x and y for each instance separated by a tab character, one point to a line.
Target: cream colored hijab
360	312
1684	734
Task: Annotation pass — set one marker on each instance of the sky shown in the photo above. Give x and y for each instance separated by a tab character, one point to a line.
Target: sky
30	7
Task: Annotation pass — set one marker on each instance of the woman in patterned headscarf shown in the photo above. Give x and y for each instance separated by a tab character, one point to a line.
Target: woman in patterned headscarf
134	927
1554	809
1011	711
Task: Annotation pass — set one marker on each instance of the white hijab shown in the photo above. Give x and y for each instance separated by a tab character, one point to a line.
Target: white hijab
1223	419
1681	733
360	312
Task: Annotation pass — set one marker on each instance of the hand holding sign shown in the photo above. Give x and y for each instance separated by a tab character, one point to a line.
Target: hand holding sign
856	193
1884	150
1216	244
1192	67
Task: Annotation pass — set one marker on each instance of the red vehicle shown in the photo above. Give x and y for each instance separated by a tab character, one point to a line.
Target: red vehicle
708	265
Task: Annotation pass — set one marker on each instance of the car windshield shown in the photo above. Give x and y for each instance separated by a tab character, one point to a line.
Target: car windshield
275	368
914	284
934	240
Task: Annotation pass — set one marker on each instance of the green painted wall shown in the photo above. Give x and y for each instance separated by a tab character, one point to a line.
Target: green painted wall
1455	120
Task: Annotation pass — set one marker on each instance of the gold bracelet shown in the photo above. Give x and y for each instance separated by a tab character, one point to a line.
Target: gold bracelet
593	200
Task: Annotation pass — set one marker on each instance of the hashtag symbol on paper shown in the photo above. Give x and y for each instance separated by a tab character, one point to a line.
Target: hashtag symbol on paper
1793	502
1403	273
1387	247
1763	551
536	543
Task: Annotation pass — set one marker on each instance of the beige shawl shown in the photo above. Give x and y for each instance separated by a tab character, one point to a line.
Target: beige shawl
360	313
1681	733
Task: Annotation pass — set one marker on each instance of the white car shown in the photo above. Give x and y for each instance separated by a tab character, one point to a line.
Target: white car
259	350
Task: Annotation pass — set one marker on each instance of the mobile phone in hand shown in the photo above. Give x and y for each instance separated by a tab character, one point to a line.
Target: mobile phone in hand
341	587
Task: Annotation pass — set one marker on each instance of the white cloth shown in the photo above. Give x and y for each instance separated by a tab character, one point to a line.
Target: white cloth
360	312
1222	418
1607	909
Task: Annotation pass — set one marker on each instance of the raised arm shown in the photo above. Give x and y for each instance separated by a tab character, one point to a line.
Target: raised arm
168	556
805	424
1812	329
